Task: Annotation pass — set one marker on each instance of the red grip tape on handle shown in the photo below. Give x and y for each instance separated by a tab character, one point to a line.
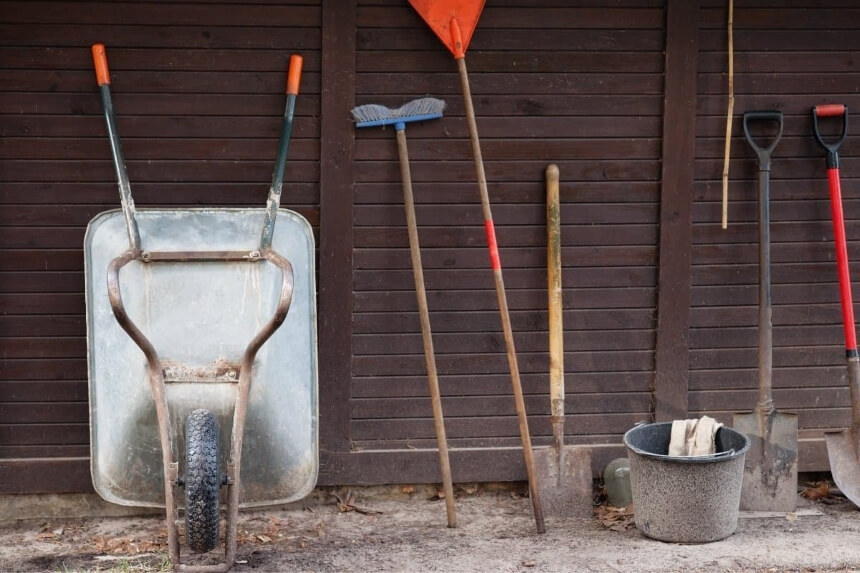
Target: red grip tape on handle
490	229
830	110
842	260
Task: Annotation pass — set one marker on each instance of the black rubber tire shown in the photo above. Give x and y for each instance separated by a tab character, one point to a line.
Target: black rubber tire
202	481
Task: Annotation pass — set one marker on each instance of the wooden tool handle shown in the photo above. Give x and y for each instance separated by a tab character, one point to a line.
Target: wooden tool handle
519	400
553	267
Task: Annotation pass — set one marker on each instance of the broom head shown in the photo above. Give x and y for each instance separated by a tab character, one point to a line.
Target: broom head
371	115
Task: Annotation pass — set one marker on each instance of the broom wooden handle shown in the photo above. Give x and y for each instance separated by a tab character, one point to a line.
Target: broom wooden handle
429	353
503	303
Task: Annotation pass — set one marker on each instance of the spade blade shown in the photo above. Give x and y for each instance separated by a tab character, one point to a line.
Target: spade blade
844	464
770	469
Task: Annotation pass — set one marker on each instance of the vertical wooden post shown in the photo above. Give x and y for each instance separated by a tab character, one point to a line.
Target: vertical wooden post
337	146
676	198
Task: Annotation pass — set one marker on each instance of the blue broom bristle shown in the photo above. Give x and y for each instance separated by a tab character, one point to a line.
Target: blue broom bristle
417	110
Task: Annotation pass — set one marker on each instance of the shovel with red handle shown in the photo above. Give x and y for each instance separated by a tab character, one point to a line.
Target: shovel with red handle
843	448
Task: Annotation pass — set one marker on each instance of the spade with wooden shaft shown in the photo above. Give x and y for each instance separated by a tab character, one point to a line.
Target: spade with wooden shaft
843	448
454	22
770	468
564	472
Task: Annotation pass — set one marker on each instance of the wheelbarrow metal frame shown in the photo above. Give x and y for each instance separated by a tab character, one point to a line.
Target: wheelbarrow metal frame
155	375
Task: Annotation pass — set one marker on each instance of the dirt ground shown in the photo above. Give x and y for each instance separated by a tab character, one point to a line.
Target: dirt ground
404	529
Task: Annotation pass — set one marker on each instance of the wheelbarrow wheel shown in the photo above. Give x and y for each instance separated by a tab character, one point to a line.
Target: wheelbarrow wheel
202	481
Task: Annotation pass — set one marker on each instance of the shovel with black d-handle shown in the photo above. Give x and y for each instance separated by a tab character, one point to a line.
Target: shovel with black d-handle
770	469
843	448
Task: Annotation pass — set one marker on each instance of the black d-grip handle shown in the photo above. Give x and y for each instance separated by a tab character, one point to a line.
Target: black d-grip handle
763	152
830	110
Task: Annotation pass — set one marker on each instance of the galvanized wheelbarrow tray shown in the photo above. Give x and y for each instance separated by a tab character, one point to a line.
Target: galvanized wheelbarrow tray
202	355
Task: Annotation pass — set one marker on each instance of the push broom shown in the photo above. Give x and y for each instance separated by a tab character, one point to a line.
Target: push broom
454	21
373	115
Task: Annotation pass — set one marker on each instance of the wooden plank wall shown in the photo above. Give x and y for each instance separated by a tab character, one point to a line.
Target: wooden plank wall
199	93
578	85
788	56
198	87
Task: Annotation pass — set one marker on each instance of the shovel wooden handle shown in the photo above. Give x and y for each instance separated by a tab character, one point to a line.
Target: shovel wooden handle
553	267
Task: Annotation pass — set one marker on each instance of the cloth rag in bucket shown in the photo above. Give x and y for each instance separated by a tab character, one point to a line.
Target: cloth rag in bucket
694	437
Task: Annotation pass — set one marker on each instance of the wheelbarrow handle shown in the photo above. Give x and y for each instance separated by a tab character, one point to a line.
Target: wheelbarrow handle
294	74
101	65
274	199
763	152
126	199
830	110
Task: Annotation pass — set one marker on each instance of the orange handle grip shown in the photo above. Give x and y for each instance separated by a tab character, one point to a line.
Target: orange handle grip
830	110
294	75
101	65
457	40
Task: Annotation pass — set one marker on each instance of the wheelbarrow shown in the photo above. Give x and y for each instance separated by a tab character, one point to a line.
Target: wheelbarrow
202	355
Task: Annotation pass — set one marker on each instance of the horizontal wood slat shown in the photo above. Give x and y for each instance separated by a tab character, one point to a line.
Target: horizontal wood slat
39	475
499	384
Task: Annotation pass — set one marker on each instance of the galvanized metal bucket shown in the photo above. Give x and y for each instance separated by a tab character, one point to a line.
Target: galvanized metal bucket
685	499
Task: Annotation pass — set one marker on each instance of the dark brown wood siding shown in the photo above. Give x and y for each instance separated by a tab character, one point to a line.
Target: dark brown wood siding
198	89
600	88
789	57
580	86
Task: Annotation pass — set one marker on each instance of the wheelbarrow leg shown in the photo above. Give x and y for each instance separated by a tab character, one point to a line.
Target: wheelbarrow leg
155	375
240	411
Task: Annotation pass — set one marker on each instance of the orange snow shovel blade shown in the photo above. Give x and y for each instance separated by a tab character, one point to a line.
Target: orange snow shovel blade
453	21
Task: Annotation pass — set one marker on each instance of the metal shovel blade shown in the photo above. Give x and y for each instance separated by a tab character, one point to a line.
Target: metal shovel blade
844	464
770	469
564	480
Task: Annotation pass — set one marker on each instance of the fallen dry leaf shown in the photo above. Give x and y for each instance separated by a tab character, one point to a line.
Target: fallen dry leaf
615	518
817	490
128	545
346	503
470	488
407	489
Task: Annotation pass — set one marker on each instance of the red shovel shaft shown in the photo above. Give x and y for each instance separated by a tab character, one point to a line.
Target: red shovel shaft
842	261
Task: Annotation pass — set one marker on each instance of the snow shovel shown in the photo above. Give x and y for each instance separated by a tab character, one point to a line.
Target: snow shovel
770	469
564	472
454	21
843	448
